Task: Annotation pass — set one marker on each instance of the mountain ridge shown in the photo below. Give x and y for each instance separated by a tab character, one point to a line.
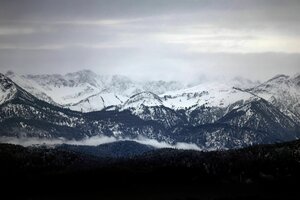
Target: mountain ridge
72	89
219	116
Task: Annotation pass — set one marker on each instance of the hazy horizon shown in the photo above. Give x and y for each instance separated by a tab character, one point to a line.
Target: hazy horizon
152	40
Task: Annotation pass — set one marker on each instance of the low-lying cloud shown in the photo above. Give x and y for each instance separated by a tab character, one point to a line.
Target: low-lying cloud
29	141
95	141
157	144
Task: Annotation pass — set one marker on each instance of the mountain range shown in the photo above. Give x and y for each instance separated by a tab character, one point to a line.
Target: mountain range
212	115
87	91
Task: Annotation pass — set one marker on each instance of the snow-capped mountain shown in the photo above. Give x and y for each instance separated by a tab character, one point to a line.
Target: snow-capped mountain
147	99
256	122
64	90
204	103
8	89
87	91
23	115
97	102
149	106
263	116
209	94
283	92
207	102
210	115
30	86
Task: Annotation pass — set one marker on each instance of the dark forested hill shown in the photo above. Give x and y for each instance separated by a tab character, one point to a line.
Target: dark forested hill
260	172
118	149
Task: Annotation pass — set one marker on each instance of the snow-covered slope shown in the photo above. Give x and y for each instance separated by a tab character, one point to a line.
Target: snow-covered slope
87	91
7	89
208	102
97	102
23	115
67	89
149	106
200	104
31	86
283	92
148	99
211	94
263	116
217	116
11	92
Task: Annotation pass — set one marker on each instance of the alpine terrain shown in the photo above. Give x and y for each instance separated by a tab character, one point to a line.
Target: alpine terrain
82	105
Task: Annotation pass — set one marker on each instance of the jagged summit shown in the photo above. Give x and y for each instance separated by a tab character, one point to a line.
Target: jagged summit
296	79
67	80
10	91
7	89
261	115
274	82
149	106
5	82
279	77
87	91
278	82
283	92
143	99
82	77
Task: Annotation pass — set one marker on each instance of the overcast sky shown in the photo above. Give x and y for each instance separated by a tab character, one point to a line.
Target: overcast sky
151	39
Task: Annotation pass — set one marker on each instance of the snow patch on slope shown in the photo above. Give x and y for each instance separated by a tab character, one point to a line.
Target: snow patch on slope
148	99
98	102
208	94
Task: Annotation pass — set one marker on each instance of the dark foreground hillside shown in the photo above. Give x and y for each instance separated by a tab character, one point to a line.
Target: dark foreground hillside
259	172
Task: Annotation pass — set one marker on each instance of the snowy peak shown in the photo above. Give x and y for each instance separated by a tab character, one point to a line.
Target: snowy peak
30	86
261	115
5	82
213	112
278	78
84	90
7	89
99	101
87	91
147	99
82	77
207	94
282	92
61	89
68	80
120	84
277	83
149	106
296	80
10	91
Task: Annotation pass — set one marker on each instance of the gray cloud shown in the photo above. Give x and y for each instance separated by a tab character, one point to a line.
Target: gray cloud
170	39
94	141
